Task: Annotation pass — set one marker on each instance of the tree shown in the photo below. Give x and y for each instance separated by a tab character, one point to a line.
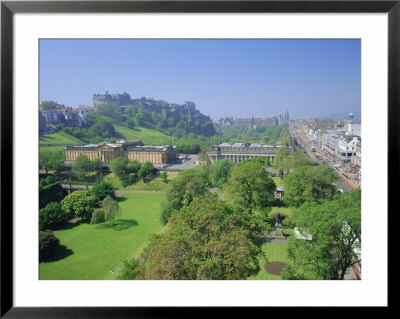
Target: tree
250	187
206	240
97	166
164	176
48	244
310	183
146	170
183	189
47	105
335	242
79	203
82	167
111	209
119	167
101	190
52	215
134	166
128	271
57	159
44	161
220	171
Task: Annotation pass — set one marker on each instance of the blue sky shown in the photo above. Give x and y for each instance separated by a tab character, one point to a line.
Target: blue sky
238	78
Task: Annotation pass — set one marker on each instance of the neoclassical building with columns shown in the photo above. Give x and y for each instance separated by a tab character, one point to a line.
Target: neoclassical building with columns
132	150
240	151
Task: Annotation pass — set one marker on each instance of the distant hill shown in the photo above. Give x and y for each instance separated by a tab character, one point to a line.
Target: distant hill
339	116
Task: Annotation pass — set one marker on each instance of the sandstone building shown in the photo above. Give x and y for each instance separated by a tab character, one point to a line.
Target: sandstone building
240	151
133	149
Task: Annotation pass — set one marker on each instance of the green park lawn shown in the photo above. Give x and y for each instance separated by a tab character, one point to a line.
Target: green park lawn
91	251
273	252
148	136
155	184
50	149
61	138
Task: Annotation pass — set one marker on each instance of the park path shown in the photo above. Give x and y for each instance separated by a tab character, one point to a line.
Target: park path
120	192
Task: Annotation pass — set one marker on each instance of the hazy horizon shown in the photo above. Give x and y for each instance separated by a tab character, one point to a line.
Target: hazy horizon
224	78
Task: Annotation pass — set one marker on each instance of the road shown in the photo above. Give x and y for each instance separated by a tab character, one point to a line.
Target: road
342	184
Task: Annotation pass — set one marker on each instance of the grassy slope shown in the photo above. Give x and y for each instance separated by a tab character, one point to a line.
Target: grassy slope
98	249
59	138
148	136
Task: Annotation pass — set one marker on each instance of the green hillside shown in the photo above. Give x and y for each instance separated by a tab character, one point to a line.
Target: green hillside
148	136
59	138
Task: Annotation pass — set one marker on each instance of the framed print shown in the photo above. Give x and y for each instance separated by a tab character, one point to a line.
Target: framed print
134	95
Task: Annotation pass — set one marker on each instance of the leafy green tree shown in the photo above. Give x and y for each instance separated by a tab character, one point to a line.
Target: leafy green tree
52	215
97	166
130	110
335	230
134	166
139	119
48	244
250	187
79	203
130	123
164	176
220	172
82	167
111	209
47	105
146	170
312	184
101	190
183	189
119	167
128	271
103	129
97	216
110	110
206	240
44	161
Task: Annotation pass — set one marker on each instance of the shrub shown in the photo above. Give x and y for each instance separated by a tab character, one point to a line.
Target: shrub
97	217
79	203
101	190
48	244
128	271
52	215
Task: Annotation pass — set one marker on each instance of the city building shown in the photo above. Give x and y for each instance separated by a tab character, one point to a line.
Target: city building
132	150
240	151
61	114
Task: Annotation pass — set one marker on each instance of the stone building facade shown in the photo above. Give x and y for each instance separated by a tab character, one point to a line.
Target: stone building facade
132	150
240	151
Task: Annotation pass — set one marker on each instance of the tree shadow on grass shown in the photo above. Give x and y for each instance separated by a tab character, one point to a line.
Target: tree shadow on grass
120	199
68	225
119	224
61	253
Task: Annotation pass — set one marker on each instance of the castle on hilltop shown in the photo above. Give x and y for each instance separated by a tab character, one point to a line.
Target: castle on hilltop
149	104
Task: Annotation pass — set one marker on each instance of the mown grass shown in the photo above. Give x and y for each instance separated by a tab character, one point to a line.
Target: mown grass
147	135
91	251
155	184
273	252
50	149
59	138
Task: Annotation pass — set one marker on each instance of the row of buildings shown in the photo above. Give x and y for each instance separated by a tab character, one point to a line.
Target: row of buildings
158	155
338	140
254	122
60	114
241	151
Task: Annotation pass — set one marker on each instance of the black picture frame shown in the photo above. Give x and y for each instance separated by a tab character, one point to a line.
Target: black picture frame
9	8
